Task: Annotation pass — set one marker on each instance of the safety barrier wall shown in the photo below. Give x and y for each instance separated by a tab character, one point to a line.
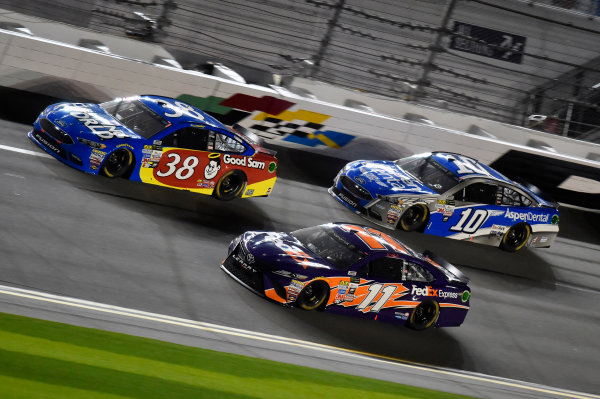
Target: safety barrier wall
294	120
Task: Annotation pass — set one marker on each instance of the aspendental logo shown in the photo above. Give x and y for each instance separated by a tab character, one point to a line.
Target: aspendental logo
526	216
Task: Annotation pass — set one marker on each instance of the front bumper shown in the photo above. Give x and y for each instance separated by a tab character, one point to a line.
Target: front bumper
238	268
58	150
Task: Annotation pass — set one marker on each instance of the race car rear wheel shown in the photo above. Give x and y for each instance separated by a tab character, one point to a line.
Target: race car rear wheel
313	295
414	218
230	186
516	237
424	315
117	164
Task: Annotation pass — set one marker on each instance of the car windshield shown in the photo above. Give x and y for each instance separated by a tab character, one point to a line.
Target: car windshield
136	116
430	172
325	242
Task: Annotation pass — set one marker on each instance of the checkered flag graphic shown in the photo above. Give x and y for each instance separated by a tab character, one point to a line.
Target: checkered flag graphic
272	128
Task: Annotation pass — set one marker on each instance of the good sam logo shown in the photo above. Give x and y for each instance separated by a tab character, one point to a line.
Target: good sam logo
244	161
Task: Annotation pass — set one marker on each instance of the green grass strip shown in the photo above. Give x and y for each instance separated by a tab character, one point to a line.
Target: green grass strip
42	359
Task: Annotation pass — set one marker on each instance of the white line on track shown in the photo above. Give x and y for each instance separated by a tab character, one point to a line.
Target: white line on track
22	151
218	329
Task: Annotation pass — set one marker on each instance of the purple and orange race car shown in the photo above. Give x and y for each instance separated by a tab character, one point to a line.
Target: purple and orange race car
351	269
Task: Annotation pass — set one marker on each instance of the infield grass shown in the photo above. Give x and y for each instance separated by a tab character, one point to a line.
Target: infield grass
42	359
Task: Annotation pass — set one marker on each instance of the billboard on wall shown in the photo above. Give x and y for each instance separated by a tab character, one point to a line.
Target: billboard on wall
487	42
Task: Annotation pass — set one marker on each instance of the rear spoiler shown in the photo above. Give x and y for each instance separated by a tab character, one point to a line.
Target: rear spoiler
253	138
450	270
537	191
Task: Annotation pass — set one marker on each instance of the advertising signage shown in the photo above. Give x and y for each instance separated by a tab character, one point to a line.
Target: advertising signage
487	42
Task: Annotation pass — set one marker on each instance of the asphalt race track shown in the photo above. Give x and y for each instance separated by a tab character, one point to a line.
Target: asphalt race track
534	315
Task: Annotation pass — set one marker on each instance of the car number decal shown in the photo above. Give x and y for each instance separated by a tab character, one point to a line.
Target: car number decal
470	221
374	289
182	173
178	108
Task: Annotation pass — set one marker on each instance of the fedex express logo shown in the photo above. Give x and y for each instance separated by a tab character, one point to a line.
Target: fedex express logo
526	216
429	291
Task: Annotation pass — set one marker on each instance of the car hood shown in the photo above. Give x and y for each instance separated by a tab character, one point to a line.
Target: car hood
88	121
385	178
281	251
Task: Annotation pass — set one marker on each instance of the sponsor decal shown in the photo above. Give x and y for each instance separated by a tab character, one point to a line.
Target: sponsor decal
554	219
342	290
96	158
152	154
465	296
430	291
401	315
94	123
349	297
291	275
445	210
125	145
360	180
526	216
544	239
348	200
392	216
380	206
249	192
498	230
213	167
48	144
272	166
243	263
295	287
243	161
91	143
147	163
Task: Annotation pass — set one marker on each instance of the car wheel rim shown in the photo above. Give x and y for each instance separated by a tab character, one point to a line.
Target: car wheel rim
116	162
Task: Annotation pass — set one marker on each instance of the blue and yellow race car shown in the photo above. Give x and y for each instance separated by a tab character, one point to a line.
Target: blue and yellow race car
448	195
157	140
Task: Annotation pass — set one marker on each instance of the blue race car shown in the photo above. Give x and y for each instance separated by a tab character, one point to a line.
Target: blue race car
448	195
157	140
353	270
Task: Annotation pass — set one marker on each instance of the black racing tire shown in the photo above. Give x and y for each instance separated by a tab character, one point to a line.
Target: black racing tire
414	218
231	185
118	163
516	237
313	296
424	315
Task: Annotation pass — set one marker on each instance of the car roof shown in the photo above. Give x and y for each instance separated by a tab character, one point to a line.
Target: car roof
465	167
371	240
205	119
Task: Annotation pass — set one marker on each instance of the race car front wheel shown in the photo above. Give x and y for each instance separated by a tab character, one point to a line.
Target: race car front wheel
424	315
516	237
414	218
117	164
230	186
313	295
